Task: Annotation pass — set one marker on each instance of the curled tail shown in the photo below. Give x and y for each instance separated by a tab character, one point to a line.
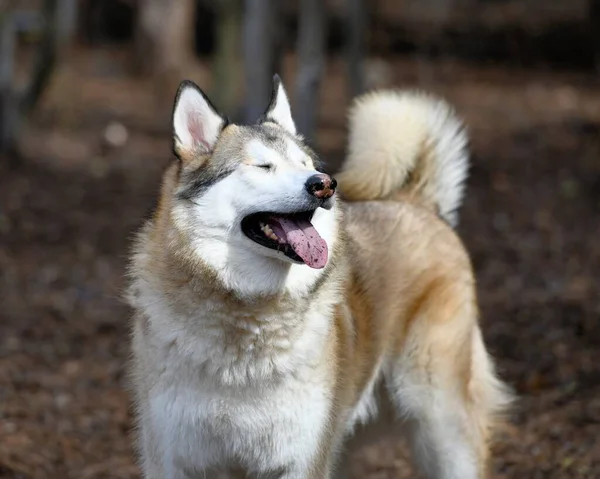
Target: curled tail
406	145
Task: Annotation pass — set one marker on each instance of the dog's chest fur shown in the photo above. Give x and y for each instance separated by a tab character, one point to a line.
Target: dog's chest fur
228	385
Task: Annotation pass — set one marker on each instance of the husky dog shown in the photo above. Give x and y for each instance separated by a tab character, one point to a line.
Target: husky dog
275	321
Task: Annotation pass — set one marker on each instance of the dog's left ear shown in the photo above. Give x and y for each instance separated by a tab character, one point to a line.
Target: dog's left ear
196	123
279	110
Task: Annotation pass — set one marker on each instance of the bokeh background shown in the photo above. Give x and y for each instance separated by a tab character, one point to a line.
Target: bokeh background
86	88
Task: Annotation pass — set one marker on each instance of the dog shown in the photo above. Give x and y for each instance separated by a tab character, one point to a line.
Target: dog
279	316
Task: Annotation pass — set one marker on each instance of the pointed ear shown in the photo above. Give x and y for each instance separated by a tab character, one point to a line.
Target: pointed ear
279	110
196	123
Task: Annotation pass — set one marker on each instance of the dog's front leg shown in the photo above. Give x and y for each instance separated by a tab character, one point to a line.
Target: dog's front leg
319	469
157	456
321	473
160	466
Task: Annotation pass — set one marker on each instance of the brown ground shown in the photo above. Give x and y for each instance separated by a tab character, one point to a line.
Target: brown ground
531	223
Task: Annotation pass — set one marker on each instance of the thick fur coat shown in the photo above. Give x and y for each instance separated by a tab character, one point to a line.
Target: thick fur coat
263	358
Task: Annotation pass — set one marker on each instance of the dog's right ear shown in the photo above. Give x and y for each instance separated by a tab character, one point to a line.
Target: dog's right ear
196	123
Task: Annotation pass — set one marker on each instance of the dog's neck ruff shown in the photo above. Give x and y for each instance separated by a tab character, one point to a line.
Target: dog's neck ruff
233	341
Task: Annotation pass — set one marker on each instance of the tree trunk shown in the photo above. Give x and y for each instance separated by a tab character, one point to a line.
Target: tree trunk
8	103
227	60
594	19
164	42
277	38
46	58
13	109
311	64
66	19
259	55
355	40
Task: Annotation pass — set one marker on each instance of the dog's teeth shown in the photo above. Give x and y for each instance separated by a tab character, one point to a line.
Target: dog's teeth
266	229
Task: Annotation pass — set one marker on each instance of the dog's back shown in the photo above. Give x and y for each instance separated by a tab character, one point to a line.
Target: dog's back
404	180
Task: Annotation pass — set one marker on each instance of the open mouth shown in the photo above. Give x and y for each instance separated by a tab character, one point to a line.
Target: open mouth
292	234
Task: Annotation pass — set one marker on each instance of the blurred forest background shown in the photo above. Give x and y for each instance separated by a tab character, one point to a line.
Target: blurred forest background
86	88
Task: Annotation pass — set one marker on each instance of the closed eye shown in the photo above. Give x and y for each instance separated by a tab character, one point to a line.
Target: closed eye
265	166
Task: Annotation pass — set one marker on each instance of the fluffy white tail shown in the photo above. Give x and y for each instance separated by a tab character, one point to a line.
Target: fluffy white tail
409	145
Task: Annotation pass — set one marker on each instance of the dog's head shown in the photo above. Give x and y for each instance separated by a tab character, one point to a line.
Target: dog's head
253	201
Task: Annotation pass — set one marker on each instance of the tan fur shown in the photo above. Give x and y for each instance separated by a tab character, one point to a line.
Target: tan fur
404	316
426	302
409	144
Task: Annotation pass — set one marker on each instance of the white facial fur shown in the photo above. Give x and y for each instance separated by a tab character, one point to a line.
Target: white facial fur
213	221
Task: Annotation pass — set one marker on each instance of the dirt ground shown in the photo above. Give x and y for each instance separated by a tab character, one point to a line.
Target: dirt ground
530	222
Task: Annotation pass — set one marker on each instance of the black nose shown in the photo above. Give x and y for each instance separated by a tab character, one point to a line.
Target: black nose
321	185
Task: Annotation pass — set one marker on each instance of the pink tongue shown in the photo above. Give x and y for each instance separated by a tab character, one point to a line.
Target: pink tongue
302	236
